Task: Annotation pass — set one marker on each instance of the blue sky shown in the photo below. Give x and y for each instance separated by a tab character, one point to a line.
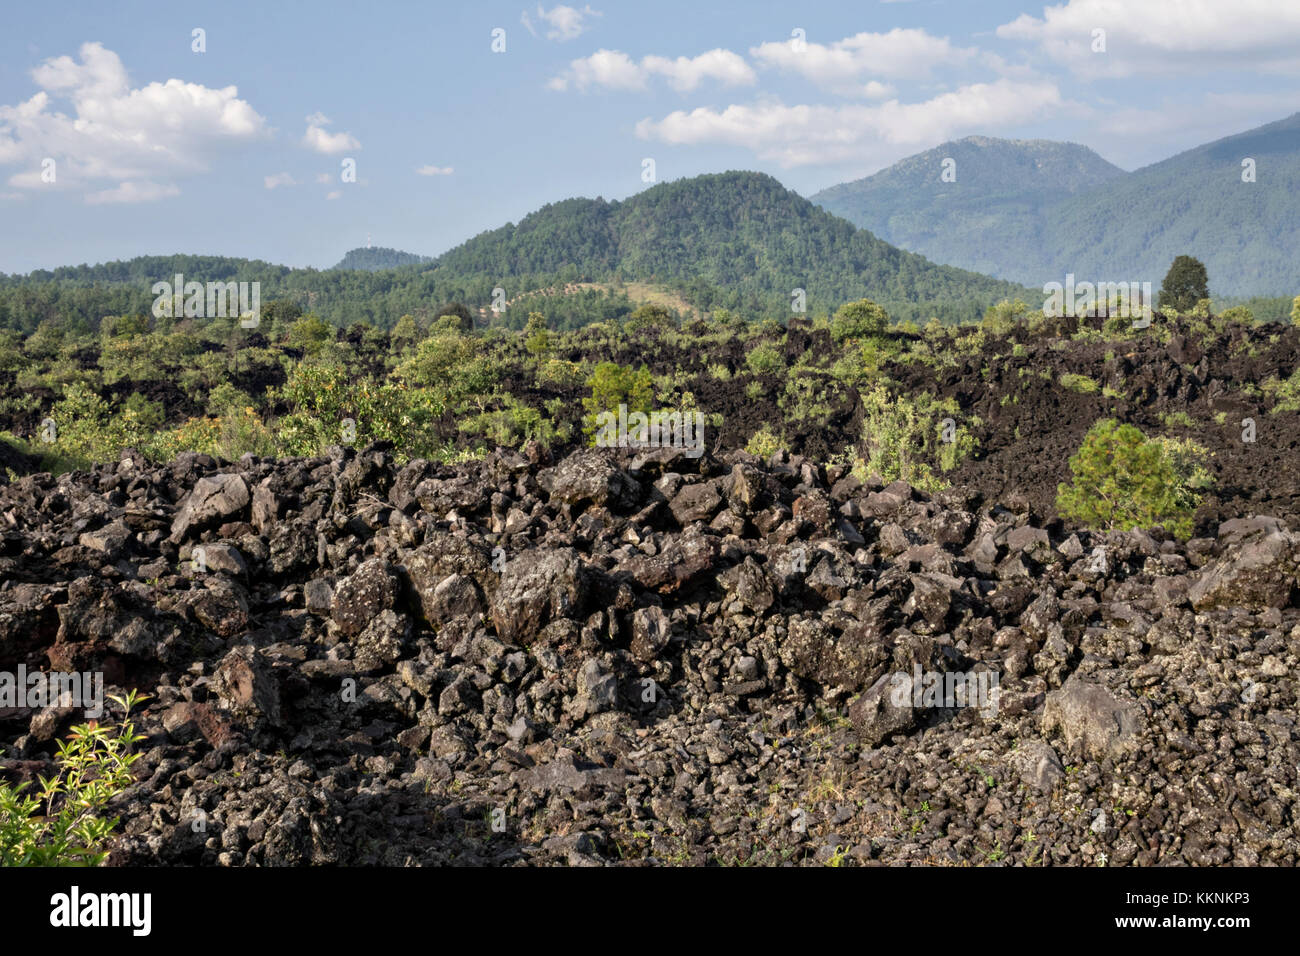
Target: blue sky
240	149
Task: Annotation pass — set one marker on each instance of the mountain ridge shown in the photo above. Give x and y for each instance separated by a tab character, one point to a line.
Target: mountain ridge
1099	223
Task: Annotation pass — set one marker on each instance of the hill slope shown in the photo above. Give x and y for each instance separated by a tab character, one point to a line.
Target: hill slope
1195	203
1009	217
992	208
736	239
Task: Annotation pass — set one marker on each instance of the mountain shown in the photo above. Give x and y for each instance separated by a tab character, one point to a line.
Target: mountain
736	239
1195	203
373	260
995	201
1033	211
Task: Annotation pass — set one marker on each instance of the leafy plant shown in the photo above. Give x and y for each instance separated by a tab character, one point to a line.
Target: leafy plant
763	443
861	319
911	438
94	766
1123	480
612	385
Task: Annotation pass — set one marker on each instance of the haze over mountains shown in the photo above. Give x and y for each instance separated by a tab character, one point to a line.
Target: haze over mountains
1031	211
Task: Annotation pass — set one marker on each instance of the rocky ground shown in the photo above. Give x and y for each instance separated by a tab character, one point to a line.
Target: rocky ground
652	659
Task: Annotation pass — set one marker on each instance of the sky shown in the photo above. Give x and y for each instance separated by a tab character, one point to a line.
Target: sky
294	131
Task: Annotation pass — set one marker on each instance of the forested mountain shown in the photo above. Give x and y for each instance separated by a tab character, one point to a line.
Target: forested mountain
736	240
991	200
374	259
1111	227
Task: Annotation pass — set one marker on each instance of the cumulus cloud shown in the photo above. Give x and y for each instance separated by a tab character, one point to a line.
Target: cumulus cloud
322	140
562	22
809	135
279	179
434	170
1165	35
614	70
842	65
134	138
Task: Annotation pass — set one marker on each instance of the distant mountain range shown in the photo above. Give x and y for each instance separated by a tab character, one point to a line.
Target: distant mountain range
1030	211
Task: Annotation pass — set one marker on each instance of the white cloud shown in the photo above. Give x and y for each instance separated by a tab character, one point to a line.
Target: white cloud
822	135
322	140
614	70
116	134
842	65
133	192
563	22
279	179
336	194
434	170
323	178
1165	35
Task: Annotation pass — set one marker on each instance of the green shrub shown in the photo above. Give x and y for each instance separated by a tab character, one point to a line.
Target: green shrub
1285	393
764	359
763	443
1079	383
327	407
538	336
906	437
613	385
1123	480
861	319
1002	318
60	824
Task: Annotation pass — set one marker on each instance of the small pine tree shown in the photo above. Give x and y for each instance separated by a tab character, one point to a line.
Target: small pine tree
537	337
1124	481
1186	283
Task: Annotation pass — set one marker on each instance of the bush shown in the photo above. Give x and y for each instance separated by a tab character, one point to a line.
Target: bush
861	319
907	438
764	359
1079	383
763	443
94	766
1123	481
1285	393
1002	319
612	385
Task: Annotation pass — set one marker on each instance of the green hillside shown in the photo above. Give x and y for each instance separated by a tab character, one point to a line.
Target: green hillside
1033	211
736	240
990	210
